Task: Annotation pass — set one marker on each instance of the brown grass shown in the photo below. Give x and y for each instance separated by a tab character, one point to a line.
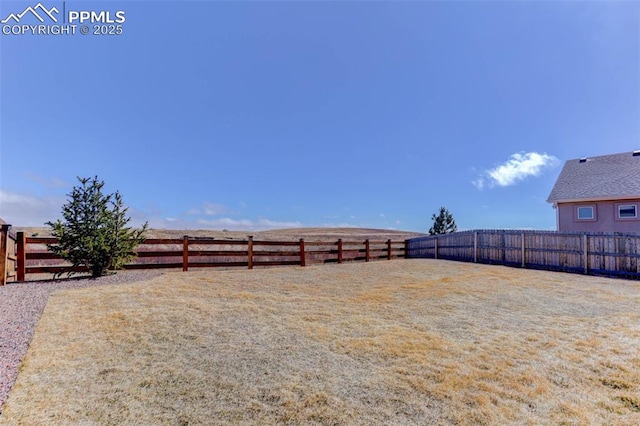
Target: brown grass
400	342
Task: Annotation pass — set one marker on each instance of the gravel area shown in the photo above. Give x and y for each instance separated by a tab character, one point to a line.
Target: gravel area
21	305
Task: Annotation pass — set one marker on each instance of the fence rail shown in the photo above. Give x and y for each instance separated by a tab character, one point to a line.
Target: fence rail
32	256
613	254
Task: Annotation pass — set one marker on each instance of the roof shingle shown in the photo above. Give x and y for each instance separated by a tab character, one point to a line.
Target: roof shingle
604	177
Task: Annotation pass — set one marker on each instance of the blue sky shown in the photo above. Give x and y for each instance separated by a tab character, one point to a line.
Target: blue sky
264	114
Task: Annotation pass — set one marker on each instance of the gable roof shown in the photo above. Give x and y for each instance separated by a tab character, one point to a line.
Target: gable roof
607	177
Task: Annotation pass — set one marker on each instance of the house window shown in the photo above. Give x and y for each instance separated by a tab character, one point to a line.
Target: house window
627	211
586	213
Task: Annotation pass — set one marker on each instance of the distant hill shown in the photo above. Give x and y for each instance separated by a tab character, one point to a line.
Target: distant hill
287	234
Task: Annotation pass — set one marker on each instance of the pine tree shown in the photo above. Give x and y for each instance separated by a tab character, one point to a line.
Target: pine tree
443	223
94	233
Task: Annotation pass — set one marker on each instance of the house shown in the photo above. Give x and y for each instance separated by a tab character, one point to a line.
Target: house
598	194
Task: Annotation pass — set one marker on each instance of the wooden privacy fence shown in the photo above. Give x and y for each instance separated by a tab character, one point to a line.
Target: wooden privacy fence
34	258
589	253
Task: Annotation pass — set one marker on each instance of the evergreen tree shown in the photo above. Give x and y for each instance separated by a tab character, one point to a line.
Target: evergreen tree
443	223
94	233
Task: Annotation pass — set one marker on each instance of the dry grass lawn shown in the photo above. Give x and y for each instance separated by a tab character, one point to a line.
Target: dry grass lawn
400	342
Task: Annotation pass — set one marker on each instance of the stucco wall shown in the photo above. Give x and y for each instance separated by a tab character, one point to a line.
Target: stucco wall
606	217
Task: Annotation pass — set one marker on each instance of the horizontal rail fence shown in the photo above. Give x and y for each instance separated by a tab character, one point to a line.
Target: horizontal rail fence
8	255
34	257
612	254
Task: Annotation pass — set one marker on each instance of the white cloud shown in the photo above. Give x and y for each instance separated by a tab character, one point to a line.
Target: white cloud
47	182
22	210
27	210
262	224
478	183
209	209
517	168
245	224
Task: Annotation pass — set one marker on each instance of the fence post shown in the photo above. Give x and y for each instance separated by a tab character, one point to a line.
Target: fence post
367	255
406	249
475	247
185	253
339	250
303	261
523	260
585	254
436	251
21	262
389	249
4	245
250	251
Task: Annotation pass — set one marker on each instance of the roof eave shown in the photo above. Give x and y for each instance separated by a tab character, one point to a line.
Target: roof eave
592	199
